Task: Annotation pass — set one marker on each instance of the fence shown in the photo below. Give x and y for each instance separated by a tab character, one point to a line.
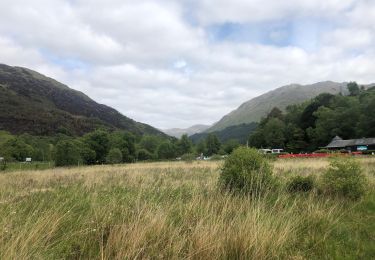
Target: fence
316	155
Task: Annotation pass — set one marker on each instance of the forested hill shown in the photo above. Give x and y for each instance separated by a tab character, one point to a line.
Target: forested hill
256	108
33	103
312	124
238	132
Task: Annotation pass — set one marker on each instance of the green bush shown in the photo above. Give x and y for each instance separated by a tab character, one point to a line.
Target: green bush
300	184
3	165
216	157
114	156
323	151
246	171
188	157
344	178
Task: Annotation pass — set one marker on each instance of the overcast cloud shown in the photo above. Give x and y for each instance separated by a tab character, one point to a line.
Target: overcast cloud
178	63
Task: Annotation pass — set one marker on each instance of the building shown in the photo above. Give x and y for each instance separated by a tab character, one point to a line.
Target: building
351	145
265	151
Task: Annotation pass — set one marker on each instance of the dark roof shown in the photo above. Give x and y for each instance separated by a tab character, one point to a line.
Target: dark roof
337	142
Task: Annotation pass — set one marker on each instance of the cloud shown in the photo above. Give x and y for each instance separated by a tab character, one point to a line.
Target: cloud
178	63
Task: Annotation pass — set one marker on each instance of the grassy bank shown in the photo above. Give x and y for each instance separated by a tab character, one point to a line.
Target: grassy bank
23	166
174	210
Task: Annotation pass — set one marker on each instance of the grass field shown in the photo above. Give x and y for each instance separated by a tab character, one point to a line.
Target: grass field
175	210
22	166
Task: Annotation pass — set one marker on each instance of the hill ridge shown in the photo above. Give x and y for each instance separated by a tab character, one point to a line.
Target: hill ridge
256	108
31	102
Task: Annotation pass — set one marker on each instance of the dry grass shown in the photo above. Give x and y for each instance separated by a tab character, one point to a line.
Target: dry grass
159	210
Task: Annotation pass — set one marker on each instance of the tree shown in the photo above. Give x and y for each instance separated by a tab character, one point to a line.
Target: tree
366	123
114	156
307	117
230	145
184	145
17	149
295	138
144	155
256	139
274	133
275	113
98	141
150	143
201	147
212	144
88	155
166	150
67	153
353	88
125	142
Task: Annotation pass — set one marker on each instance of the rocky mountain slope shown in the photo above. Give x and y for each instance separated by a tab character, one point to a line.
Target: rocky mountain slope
178	132
258	107
33	103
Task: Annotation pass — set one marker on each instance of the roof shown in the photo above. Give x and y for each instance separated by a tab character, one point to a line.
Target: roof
337	142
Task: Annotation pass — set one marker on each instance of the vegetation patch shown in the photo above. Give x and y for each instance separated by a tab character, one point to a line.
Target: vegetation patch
301	184
246	171
344	178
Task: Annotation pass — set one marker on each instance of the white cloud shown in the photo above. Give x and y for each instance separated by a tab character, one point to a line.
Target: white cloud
242	11
155	61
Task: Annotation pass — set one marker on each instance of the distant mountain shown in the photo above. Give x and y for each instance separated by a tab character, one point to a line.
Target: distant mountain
239	132
33	103
178	132
256	108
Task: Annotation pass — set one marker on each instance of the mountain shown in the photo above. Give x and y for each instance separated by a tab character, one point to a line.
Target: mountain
178	132
239	132
33	103
256	108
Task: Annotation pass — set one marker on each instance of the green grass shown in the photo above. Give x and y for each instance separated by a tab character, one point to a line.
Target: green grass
22	166
175	210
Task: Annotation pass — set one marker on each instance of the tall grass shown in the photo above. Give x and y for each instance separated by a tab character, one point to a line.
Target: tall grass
160	210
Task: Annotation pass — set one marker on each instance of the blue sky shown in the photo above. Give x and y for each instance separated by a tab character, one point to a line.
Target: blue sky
178	63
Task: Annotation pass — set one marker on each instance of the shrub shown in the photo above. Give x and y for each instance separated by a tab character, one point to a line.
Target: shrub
114	156
3	165
216	157
344	178
323	151
188	157
300	184
246	171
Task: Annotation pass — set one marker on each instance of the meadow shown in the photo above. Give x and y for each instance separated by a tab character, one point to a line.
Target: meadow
174	210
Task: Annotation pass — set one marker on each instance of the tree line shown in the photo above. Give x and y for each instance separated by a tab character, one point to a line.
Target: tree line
102	146
308	126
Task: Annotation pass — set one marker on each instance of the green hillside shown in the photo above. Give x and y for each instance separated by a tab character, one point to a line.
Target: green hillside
33	103
256	108
238	132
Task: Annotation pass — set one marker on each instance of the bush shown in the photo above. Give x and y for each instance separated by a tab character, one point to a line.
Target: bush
300	184
246	171
188	157
323	151
344	178
216	157
3	165
114	156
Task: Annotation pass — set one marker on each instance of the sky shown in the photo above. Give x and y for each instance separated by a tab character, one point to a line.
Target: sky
184	62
